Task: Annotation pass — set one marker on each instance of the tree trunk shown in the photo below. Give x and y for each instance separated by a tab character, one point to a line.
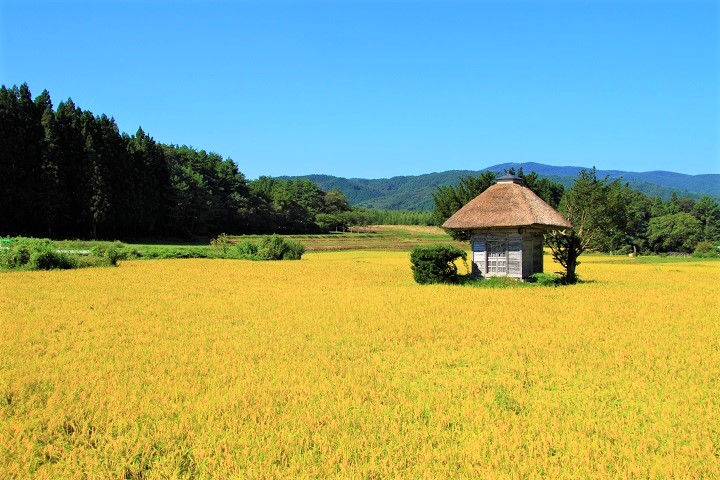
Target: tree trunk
574	251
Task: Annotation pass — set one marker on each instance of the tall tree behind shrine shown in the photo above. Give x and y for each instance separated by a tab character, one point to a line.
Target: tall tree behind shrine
70	173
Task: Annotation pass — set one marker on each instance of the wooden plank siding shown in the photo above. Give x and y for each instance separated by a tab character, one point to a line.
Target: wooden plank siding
516	254
479	257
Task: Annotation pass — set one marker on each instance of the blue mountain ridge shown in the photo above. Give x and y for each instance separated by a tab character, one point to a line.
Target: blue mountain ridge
414	192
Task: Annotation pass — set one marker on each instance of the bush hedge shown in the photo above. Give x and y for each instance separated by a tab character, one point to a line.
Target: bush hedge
273	247
276	247
22	253
436	263
705	250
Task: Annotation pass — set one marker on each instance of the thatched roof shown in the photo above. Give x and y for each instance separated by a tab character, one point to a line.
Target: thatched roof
508	203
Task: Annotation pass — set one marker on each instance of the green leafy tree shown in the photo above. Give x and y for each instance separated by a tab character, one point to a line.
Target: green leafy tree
675	232
335	202
596	209
551	192
329	221
639	211
97	201
48	194
401	217
707	211
449	199
152	181
299	205
566	246
355	218
679	204
208	194
21	136
71	220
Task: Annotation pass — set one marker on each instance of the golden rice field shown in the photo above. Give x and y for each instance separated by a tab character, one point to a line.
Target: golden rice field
340	366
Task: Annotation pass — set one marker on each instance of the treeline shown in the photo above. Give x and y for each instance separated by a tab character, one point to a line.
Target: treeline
66	172
610	216
401	217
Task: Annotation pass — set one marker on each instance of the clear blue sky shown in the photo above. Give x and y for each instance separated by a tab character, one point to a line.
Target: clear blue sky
379	88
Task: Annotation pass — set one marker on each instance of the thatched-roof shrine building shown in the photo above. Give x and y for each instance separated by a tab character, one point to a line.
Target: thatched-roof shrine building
507	223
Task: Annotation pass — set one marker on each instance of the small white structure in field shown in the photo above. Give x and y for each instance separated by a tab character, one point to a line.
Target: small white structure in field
507	223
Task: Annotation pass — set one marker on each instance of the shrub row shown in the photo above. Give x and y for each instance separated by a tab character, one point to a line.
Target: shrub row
23	253
32	254
273	247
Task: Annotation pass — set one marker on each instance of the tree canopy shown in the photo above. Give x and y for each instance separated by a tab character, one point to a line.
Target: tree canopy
67	172
70	173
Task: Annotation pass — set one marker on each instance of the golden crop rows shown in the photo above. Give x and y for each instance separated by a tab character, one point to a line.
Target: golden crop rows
339	365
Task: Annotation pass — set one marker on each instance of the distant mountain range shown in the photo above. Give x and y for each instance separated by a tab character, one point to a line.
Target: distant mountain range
414	192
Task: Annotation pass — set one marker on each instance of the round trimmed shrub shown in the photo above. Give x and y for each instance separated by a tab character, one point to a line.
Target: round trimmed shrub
436	264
